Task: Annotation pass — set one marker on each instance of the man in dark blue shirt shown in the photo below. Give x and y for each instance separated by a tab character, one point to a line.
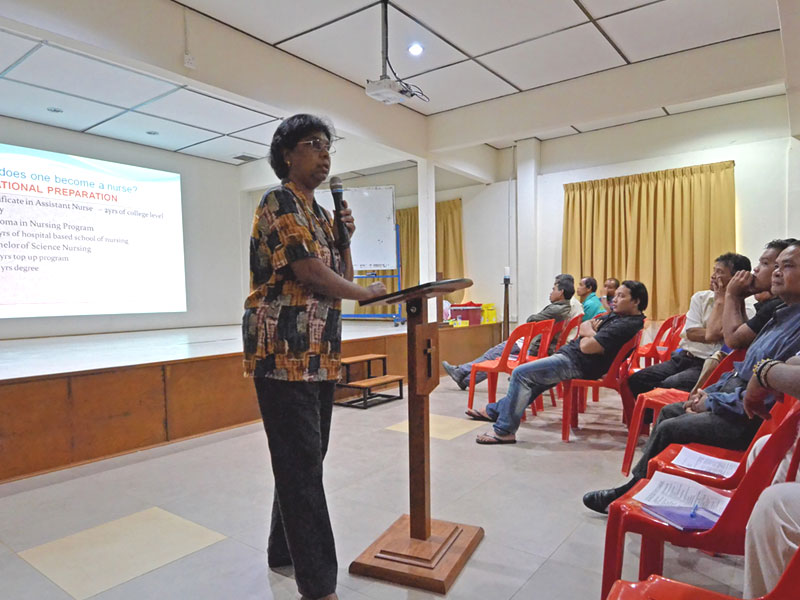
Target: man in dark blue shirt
715	415
587	357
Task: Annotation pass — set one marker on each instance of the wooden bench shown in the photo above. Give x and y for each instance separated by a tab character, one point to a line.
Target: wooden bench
365	386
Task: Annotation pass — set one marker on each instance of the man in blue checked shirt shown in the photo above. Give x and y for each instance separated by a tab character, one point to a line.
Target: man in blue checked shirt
715	415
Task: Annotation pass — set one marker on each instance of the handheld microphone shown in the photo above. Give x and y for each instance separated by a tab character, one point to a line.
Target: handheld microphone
336	191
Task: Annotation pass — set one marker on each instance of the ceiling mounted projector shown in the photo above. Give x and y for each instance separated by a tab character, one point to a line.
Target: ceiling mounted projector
385	89
388	91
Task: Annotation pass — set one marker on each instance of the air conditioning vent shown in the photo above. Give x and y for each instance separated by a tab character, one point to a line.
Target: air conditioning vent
245	158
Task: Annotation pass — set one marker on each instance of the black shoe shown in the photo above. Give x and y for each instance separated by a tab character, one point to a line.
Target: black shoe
599	500
451	370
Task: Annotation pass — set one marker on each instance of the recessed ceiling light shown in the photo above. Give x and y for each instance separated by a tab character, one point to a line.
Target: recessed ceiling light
415	49
151	132
54	109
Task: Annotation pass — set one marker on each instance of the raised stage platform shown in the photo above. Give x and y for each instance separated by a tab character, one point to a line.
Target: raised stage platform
73	399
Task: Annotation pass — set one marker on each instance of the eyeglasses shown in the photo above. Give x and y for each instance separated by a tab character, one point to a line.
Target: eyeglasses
319	145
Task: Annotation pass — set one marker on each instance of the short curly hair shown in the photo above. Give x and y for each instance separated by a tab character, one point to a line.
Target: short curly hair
291	131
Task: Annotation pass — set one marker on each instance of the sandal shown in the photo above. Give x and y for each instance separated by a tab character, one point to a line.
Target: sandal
491	439
477	416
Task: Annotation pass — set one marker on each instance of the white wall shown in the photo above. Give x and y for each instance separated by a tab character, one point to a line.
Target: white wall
753	134
211	234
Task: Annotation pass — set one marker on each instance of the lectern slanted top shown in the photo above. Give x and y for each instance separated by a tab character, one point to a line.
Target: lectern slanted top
416	550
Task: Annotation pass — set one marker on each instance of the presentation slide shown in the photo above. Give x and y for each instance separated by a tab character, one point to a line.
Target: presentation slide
80	236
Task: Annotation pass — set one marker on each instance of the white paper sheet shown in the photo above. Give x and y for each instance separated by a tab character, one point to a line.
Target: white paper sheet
670	490
691	459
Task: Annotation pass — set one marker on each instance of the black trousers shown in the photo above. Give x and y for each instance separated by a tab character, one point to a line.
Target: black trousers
680	372
676	426
297	419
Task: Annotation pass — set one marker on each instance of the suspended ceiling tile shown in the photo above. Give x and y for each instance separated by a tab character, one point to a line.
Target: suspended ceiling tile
675	25
351	47
226	148
601	8
12	48
629	118
405	164
275	21
457	85
133	127
763	92
477	26
564	55
204	111
348	175
87	77
261	134
30	103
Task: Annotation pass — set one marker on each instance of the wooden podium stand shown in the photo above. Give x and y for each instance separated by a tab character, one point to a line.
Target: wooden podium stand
416	550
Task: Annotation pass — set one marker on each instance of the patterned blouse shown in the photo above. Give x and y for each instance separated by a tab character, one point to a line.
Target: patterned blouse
290	332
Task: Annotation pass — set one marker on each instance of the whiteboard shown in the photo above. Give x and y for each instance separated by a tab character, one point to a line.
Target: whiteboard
373	245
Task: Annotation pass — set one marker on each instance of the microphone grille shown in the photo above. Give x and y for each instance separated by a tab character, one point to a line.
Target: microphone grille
336	184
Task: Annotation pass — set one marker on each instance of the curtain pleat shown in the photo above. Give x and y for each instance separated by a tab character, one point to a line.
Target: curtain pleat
662	228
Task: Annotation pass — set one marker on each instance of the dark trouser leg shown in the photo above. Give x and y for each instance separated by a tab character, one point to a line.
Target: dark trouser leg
463	370
297	419
676	426
663	374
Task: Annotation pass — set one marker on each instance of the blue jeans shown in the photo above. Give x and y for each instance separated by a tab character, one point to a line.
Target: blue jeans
528	381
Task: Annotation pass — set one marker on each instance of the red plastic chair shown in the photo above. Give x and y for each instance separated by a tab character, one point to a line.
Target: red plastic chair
656	587
649	352
663	462
574	387
726	537
658	398
674	339
527	332
563	332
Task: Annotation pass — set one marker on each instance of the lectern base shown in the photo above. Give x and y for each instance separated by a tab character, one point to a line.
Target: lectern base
431	564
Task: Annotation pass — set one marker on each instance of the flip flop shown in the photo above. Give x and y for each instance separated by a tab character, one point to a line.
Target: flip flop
490	439
476	416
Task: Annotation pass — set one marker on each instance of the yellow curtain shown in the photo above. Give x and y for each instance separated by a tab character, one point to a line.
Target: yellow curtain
662	228
449	252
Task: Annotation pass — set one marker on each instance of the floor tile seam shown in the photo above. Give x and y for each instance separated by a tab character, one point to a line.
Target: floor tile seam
42	574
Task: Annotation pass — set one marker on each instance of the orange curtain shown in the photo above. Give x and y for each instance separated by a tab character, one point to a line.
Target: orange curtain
662	228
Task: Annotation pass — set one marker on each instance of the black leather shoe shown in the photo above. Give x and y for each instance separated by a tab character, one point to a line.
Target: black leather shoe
599	500
451	370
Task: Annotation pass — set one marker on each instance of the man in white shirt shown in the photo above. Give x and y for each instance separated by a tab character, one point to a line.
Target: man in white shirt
698	340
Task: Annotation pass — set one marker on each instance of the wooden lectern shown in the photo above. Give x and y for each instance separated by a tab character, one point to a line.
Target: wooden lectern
416	550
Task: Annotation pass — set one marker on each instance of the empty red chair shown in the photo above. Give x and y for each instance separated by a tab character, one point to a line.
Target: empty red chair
726	537
656	587
527	332
649	352
573	387
658	398
663	462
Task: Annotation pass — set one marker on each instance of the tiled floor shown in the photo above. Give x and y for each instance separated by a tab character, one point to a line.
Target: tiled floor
189	520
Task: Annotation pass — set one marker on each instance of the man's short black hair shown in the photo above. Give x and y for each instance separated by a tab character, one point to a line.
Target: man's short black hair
638	292
781	245
565	277
567	287
291	131
615	280
735	262
591	283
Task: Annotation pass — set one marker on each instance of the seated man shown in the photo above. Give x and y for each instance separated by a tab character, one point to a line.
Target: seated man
737	330
609	289
698	340
589	356
716	415
558	310
773	531
586	294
